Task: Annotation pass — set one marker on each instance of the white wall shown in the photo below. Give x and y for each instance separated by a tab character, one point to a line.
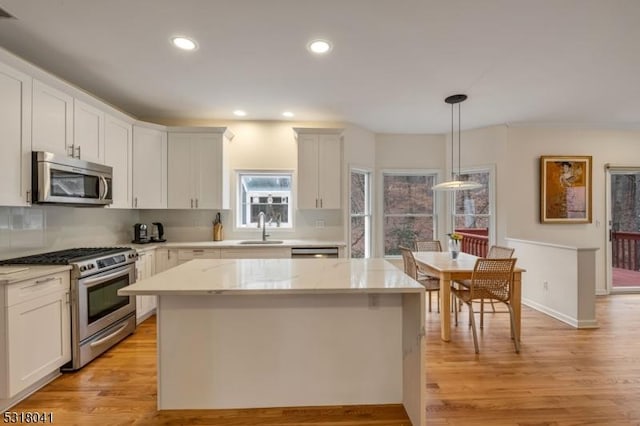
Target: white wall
267	145
526	145
487	147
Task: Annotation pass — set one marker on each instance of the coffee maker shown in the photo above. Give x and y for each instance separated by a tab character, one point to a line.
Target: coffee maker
140	235
157	235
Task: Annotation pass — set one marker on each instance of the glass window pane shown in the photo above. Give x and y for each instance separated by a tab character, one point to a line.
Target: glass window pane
265	192
358	237
404	231
358	193
476	201
472	222
408	194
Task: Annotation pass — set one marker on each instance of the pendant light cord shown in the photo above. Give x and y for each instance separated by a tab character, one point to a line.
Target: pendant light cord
452	143
459	150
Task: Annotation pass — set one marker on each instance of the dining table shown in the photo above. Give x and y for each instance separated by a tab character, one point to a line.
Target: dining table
447	269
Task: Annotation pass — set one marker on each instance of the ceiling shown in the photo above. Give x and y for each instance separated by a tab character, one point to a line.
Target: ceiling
393	61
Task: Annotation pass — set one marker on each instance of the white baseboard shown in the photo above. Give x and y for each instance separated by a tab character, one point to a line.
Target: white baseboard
574	322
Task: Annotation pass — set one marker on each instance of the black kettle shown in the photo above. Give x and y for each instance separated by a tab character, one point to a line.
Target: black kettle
158	233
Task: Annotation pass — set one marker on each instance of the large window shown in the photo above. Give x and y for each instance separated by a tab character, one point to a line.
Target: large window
360	197
408	209
264	192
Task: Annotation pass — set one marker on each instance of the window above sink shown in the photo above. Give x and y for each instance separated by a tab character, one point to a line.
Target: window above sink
268	192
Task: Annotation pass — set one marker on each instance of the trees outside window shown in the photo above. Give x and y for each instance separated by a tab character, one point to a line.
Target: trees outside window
408	209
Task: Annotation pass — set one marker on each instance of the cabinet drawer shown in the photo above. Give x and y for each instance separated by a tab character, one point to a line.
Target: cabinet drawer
189	254
257	253
37	287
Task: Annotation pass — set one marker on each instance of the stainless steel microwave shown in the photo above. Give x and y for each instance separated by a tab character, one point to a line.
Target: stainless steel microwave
57	179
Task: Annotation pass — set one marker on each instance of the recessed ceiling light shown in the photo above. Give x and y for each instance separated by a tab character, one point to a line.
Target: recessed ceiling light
239	113
184	43
288	114
319	46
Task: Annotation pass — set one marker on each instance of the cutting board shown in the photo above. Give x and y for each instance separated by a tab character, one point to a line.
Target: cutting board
11	269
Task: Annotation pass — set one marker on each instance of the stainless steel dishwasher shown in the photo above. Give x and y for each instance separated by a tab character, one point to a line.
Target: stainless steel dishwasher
314	252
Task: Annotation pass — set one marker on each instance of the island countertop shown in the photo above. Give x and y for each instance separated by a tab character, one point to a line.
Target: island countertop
281	276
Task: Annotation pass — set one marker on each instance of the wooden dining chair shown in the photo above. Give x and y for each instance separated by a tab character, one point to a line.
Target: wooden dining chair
411	268
491	279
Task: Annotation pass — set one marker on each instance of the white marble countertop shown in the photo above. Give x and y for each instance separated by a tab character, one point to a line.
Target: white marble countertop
29	273
238	243
277	276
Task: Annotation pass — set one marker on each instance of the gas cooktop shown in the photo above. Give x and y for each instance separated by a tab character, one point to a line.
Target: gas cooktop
64	257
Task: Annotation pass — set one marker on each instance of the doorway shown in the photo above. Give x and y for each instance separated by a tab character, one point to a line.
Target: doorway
623	196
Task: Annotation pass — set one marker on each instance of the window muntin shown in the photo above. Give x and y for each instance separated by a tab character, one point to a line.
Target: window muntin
408	209
268	192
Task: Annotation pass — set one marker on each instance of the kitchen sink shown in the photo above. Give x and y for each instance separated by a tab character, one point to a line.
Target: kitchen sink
261	242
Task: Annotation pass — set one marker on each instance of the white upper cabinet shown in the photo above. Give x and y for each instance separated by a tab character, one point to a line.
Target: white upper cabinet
319	168
52	125
149	167
15	137
88	132
198	175
118	153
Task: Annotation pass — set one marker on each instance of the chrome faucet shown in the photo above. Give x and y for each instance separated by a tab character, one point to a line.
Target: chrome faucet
262	224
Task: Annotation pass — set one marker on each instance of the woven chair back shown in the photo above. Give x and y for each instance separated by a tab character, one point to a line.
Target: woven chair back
410	266
492	279
433	245
499	252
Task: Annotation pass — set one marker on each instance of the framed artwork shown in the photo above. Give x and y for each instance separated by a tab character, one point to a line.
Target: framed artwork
565	189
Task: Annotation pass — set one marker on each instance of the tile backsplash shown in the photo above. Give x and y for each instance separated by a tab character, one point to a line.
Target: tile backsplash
28	230
37	229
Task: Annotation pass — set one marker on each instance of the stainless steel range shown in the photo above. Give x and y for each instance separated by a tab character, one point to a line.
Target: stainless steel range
100	318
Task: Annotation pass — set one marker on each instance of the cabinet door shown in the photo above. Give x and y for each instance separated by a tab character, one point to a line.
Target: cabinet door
118	154
166	259
308	172
144	304
207	160
180	172
52	120
88	132
256	253
39	339
329	171
15	137
149	168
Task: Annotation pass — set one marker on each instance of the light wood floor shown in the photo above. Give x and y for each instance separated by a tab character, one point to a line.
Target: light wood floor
562	376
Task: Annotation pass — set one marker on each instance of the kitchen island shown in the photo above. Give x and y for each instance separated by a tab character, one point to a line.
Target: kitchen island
251	333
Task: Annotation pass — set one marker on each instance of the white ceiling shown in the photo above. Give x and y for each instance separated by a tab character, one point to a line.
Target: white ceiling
392	65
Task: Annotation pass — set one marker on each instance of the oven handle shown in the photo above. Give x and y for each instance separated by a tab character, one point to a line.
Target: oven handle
109	337
93	281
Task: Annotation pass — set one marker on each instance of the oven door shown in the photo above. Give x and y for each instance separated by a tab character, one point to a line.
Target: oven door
99	304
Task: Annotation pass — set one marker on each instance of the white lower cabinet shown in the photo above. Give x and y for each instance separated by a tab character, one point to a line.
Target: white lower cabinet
256	253
145	268
185	255
166	259
37	331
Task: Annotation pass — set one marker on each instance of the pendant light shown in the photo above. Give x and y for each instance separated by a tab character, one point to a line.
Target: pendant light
456	185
